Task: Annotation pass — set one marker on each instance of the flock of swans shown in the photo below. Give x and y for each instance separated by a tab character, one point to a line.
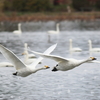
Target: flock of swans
77	49
57	31
28	65
24	69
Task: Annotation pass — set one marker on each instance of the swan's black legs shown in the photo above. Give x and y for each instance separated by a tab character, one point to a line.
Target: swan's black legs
15	73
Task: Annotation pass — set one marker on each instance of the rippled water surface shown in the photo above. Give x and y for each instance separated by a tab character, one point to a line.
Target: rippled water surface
81	83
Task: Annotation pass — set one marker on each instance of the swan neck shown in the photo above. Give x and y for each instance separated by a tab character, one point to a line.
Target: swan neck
19	27
90	45
70	45
57	28
26	51
40	68
84	61
26	56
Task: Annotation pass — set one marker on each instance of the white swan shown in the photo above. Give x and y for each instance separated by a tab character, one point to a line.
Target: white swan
65	64
28	58
19	31
22	69
93	49
55	31
73	49
26	52
6	64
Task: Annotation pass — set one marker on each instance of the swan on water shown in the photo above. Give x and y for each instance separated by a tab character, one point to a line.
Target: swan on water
73	49
54	31
65	64
19	31
26	52
28	58
92	49
22	69
6	64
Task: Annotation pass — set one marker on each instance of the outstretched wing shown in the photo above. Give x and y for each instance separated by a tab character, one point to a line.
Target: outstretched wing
18	64
48	51
54	57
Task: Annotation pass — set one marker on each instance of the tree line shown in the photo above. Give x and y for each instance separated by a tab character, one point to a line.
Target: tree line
47	5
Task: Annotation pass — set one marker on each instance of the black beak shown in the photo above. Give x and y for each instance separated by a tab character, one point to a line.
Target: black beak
94	59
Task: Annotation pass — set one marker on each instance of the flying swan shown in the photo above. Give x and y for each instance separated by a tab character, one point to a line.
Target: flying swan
22	69
65	64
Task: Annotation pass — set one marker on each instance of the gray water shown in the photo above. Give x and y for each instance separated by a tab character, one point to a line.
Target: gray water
81	83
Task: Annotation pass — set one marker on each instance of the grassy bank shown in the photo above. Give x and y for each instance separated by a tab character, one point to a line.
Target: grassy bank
46	16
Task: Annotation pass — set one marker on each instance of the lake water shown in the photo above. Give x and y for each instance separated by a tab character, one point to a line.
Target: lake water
81	83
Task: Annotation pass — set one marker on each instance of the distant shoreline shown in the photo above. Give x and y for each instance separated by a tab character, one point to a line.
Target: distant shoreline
48	16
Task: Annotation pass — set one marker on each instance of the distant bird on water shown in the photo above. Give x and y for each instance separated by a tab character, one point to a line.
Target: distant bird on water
19	31
54	31
92	49
73	49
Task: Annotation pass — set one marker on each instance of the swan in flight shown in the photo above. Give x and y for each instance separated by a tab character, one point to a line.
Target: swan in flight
6	64
28	58
22	69
54	31
65	64
73	49
19	31
93	49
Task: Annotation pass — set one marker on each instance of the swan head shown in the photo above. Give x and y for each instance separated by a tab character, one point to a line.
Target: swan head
24	53
70	40
46	67
92	58
89	41
57	24
19	24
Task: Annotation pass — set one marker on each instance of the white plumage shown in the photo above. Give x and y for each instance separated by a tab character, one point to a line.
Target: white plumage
19	31
28	58
65	64
24	70
92	49
6	64
73	49
54	31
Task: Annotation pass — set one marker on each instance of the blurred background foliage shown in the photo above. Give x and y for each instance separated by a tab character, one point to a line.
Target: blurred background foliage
49	5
